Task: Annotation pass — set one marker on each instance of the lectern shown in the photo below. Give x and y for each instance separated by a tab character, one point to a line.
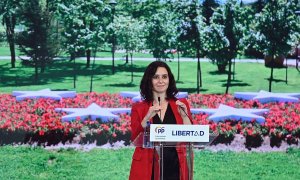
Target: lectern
184	138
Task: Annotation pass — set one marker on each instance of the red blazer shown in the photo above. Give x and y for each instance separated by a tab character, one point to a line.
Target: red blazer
142	159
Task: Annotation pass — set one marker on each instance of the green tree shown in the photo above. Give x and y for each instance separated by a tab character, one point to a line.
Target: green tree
159	33
38	40
247	16
223	37
177	23
208	7
9	13
130	35
276	30
84	25
145	8
189	38
259	5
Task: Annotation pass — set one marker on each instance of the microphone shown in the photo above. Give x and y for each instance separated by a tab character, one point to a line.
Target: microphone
158	99
183	111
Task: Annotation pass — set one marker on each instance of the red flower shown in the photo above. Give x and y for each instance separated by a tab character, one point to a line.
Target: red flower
41	133
40	116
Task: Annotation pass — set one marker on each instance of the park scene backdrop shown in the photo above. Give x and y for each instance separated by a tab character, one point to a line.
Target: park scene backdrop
221	53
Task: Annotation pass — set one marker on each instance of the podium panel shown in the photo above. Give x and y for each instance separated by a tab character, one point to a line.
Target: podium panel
160	160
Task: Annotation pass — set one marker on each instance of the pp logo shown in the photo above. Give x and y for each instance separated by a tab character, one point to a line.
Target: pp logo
159	130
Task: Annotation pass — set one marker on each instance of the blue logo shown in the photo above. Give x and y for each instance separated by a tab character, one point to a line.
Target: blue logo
159	130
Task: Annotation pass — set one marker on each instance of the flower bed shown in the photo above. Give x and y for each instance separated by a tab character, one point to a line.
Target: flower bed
35	121
282	121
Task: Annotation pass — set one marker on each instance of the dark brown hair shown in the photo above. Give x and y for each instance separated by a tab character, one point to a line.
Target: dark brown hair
146	82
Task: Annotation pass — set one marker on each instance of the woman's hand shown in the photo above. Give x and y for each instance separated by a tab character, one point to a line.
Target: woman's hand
183	111
153	110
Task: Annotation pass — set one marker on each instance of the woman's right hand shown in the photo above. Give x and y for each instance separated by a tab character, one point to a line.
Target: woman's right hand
153	110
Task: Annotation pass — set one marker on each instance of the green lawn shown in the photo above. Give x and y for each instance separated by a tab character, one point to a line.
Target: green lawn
37	163
59	75
4	51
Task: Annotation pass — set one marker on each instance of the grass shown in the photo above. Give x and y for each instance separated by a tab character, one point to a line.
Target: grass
38	163
230	165
4	50
59	75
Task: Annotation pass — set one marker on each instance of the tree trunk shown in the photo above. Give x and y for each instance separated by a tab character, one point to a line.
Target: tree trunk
72	56
228	78
93	67
233	70
43	64
12	54
126	57
88	58
199	78
113	55
10	35
131	66
36	70
178	57
74	72
271	79
271	75
221	68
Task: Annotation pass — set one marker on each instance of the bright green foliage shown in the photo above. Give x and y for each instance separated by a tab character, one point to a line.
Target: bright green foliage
144	9
84	24
160	32
130	35
224	35
276	29
38	41
247	17
129	32
188	28
8	11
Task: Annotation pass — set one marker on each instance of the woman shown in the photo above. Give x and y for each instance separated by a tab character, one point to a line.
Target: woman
159	106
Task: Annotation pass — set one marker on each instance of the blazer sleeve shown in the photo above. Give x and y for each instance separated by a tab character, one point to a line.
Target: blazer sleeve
136	119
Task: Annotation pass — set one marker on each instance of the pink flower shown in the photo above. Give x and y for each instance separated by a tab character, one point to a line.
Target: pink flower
41	133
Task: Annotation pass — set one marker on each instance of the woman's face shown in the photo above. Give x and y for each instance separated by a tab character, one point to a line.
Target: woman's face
160	80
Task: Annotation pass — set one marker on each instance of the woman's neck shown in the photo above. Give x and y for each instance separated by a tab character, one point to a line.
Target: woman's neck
159	97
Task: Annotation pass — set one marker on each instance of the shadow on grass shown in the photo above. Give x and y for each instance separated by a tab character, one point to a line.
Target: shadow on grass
219	73
58	71
4	65
191	90
275	80
235	83
179	82
122	85
128	68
